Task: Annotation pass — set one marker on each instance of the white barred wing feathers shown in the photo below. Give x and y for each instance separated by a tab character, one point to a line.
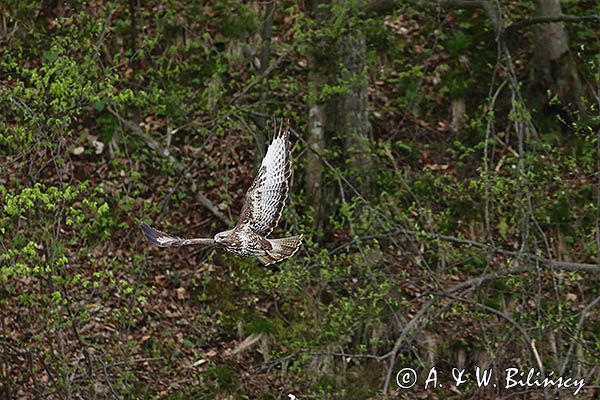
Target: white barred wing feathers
266	197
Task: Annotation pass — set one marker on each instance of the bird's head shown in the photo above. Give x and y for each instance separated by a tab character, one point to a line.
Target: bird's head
222	237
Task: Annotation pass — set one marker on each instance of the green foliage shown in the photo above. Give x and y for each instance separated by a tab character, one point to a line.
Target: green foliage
101	315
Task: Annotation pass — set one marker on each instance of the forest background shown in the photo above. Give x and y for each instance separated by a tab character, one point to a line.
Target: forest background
446	179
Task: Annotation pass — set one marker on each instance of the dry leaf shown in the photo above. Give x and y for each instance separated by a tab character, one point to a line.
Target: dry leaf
182	293
98	146
437	167
211	353
199	362
246	344
209	11
160	279
78	150
144	339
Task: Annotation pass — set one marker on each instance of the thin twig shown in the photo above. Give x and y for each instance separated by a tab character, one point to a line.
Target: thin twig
179	166
548	263
582	317
548	19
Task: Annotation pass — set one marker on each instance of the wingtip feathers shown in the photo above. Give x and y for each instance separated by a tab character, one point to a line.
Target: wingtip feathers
156	237
282	129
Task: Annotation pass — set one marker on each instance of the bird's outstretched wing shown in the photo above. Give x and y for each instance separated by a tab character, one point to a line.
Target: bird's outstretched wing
161	239
266	196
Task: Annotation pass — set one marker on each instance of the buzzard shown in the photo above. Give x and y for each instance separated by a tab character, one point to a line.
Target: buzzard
260	213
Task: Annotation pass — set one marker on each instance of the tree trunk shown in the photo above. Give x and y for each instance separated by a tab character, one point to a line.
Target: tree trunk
353	116
321	72
266	32
554	67
337	121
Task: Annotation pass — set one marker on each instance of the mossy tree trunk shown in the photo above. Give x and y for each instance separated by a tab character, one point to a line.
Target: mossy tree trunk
266	33
338	124
553	66
352	119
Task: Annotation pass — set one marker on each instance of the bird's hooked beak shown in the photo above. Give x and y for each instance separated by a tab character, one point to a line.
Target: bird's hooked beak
220	237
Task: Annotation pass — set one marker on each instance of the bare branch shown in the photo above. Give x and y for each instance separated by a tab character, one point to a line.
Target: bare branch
443	293
382	7
180	167
545	262
548	19
582	317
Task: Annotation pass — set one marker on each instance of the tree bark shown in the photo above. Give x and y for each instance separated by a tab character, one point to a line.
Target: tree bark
320	73
314	164
337	121
266	32
553	67
353	118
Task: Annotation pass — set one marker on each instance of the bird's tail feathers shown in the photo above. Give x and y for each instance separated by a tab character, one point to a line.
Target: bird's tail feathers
281	249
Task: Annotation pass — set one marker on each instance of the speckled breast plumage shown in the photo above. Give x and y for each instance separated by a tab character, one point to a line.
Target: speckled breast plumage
244	242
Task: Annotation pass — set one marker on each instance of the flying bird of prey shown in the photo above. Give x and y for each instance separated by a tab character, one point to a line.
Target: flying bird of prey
260	213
